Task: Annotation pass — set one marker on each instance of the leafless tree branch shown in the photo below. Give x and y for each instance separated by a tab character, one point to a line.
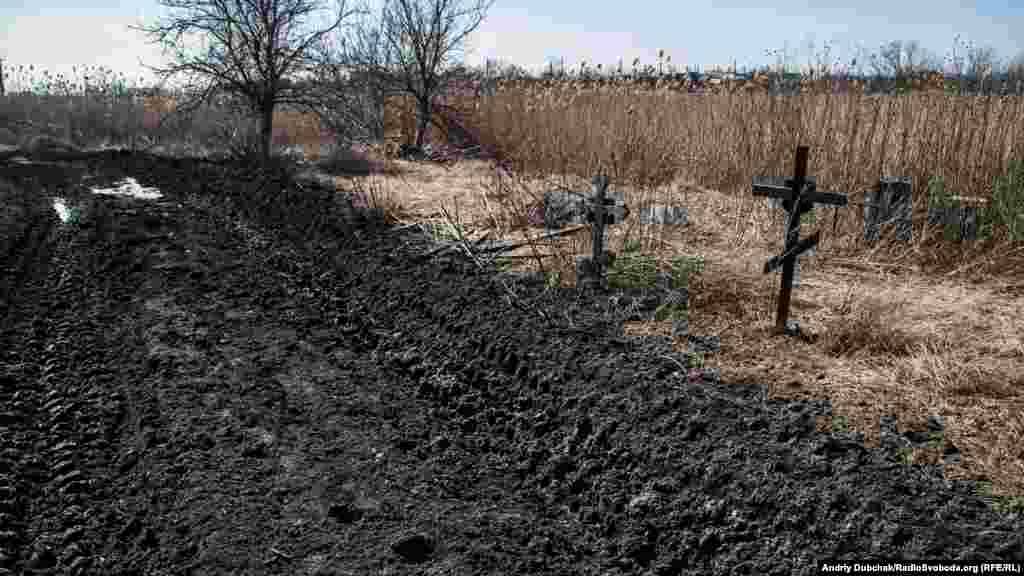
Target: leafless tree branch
253	48
413	48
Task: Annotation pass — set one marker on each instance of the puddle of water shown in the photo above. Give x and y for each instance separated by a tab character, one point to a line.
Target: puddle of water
130	187
126	187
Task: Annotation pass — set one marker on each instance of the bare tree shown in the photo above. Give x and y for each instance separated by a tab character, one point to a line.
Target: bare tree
912	52
900	60
981	64
413	48
888	59
501	68
1015	74
861	56
359	71
1017	60
255	47
930	61
975	63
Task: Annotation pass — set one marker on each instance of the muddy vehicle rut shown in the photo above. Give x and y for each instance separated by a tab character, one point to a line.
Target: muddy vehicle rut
243	376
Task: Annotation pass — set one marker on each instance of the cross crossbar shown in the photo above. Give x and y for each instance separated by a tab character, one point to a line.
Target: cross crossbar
613	205
809	195
799	248
614	209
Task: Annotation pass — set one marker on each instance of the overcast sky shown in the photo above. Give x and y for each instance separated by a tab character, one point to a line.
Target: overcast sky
56	34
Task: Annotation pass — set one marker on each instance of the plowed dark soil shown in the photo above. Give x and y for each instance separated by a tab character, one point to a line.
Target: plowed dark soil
216	382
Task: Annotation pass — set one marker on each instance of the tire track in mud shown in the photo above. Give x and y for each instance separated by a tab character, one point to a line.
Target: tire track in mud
60	403
25	335
89	472
27	251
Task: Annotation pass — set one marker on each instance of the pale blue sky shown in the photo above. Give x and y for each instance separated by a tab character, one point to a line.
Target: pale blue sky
56	34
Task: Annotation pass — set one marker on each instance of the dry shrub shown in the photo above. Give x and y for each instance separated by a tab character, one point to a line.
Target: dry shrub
868	327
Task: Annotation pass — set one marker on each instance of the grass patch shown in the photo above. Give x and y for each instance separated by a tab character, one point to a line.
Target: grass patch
1008	200
682	267
668	311
630	270
1002	504
840	425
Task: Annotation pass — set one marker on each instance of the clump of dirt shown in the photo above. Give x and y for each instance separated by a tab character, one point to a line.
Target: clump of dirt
245	377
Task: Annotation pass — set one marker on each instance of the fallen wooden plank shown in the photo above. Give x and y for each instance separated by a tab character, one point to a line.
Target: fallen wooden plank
505	245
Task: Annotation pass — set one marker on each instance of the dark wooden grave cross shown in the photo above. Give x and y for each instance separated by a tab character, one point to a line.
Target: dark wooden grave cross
798	195
601	211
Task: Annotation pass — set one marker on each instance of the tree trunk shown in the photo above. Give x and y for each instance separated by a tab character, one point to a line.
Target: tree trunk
421	132
266	130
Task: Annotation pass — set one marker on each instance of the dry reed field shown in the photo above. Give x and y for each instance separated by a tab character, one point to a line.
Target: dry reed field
929	327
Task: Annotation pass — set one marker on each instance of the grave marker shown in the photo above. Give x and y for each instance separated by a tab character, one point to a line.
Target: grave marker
566	207
599	211
798	195
959	216
665	215
889	203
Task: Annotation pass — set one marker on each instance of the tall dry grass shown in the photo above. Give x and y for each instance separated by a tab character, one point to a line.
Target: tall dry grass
648	138
720	141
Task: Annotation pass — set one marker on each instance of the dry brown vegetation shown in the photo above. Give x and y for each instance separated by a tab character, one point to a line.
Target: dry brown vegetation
929	327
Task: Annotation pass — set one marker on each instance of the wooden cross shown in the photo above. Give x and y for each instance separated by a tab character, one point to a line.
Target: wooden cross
601	211
798	194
